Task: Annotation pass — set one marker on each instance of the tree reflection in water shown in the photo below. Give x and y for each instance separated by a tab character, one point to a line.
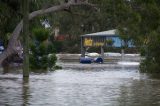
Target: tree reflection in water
25	91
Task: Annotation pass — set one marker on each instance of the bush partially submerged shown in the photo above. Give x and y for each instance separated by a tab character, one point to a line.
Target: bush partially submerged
42	54
151	51
42	62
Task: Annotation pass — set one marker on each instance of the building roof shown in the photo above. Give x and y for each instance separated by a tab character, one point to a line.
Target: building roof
103	33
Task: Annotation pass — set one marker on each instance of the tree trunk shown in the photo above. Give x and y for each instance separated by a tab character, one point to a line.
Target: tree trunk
26	38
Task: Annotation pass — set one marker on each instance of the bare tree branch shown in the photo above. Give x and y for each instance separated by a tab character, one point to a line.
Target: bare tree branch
11	49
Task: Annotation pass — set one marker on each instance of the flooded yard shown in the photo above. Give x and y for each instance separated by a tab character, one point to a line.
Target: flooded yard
85	87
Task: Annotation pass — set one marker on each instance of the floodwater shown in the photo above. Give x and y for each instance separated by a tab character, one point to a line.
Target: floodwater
71	87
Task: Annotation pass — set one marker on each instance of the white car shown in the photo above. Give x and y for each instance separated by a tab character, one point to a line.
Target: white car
93	54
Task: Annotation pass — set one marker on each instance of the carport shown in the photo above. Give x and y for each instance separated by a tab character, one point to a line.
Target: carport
99	39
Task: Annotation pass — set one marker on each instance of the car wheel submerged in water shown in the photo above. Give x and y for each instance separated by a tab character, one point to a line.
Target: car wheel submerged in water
98	60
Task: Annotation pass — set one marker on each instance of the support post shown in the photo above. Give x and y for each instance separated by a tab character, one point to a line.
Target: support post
122	54
82	52
82	48
25	6
102	53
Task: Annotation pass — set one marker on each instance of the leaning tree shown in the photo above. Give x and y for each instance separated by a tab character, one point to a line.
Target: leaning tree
11	48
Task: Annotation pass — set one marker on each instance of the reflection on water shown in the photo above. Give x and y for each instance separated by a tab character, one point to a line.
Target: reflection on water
117	87
25	91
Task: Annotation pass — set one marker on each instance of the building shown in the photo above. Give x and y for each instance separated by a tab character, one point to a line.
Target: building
101	39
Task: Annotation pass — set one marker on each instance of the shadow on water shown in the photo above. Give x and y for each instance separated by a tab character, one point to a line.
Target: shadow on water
139	93
5	70
154	75
18	70
9	69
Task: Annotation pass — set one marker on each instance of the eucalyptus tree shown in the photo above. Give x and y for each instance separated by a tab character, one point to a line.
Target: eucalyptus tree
142	25
148	31
9	15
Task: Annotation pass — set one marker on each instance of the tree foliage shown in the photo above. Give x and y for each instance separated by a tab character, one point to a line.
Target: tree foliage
142	26
42	52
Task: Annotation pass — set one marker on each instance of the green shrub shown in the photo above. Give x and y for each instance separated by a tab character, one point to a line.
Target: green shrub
58	45
151	64
42	54
42	49
42	62
51	60
33	62
149	67
51	48
57	67
40	34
